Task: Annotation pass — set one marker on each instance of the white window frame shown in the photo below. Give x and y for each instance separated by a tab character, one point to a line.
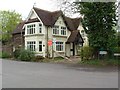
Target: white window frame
59	45
41	45
63	31
55	29
32	30
40	28
31	45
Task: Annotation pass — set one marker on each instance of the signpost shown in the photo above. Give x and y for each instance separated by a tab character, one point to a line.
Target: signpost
50	43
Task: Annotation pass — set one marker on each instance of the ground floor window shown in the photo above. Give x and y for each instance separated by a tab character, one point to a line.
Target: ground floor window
59	46
40	46
31	45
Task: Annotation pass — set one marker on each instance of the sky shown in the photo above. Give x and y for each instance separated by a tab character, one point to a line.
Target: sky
24	6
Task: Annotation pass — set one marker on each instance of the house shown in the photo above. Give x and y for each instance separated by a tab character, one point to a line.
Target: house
43	27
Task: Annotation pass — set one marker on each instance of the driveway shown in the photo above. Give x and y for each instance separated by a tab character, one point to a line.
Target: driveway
45	75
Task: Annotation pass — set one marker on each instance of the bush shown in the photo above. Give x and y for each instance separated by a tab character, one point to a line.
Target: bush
116	50
16	53
86	53
5	55
26	55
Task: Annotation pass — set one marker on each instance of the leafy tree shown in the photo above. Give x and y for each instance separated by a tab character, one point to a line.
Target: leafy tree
99	23
8	22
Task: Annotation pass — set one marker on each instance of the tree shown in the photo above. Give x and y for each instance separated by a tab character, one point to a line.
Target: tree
99	23
8	22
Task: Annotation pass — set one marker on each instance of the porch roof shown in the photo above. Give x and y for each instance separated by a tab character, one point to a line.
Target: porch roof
75	37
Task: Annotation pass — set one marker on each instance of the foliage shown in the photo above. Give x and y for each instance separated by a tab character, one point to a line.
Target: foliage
86	53
4	55
116	50
99	23
16	53
26	55
8	22
110	62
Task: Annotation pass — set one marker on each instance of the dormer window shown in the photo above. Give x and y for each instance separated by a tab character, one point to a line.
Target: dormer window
56	30
31	29
63	30
40	28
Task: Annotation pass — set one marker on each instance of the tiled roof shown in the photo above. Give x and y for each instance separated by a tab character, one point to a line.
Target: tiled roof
19	28
49	18
75	37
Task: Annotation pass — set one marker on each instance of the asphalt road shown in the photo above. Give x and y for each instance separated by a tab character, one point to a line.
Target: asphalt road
45	75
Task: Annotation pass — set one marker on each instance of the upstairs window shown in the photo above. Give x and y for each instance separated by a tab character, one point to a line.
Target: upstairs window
59	46
63	30
31	29
56	30
31	45
40	28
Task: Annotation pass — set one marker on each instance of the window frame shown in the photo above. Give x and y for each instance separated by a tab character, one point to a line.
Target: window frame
57	48
56	28
63	31
41	46
31	45
31	29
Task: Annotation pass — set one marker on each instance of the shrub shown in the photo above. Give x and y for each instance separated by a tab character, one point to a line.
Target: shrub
5	55
16	53
86	53
26	55
116	50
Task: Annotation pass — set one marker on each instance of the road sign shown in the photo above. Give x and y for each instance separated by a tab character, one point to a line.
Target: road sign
50	43
54	40
102	52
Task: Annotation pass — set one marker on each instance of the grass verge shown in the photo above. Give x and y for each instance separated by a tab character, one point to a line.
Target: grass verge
110	62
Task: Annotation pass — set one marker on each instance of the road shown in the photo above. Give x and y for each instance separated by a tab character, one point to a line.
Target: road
45	75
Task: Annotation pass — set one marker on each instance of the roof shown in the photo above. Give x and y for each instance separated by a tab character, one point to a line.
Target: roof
75	37
32	20
49	18
19	28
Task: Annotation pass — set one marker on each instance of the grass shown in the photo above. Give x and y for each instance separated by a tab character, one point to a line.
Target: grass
110	62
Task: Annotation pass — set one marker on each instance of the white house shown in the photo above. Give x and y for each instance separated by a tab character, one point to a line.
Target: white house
42	27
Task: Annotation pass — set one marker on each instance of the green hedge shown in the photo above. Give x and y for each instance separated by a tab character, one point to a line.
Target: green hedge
5	55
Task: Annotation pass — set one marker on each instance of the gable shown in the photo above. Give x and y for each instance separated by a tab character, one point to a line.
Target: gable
60	22
33	15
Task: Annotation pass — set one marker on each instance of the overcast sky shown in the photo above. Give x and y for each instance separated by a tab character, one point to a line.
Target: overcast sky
24	6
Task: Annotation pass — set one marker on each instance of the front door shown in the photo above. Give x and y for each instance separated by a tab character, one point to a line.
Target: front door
72	49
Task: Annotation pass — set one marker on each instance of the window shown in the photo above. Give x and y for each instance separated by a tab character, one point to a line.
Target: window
40	46
56	30
31	45
63	30
82	33
59	46
31	29
40	28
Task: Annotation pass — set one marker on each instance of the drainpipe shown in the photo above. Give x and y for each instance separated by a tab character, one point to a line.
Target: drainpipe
47	43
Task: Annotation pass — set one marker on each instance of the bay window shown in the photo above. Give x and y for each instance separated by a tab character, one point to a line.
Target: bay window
40	28
31	29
